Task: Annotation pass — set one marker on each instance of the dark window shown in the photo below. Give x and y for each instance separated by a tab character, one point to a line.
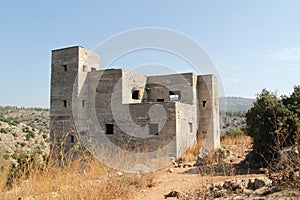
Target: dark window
109	129
203	103
93	69
72	138
153	129
85	68
65	67
83	103
191	127
135	94
160	100
174	95
65	103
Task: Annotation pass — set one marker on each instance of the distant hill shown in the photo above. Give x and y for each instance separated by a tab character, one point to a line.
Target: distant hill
24	133
235	103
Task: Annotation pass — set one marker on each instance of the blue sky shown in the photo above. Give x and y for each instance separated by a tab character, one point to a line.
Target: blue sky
254	44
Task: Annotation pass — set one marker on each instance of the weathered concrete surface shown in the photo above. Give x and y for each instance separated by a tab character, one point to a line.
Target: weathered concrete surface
135	112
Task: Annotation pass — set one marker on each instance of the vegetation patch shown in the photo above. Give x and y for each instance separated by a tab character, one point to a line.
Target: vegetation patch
4	130
274	124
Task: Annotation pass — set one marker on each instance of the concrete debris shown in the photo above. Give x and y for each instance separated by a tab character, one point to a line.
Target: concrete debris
201	155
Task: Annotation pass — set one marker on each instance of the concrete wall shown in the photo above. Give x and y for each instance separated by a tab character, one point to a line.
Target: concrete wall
186	127
64	69
133	132
67	81
160	86
130	121
209	110
106	96
132	82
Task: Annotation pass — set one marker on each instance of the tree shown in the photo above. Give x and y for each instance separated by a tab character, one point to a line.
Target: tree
271	124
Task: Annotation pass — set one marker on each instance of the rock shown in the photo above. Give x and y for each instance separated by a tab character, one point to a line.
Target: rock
120	173
256	184
289	157
188	164
219	186
201	155
253	195
173	193
232	185
247	191
170	170
217	169
175	164
220	193
262	191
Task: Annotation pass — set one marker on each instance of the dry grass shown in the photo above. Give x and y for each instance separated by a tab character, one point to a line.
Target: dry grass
76	180
236	140
191	153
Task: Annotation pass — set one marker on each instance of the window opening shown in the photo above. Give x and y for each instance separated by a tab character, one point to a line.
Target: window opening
65	103
174	95
191	127
65	67
109	129
85	68
153	129
135	94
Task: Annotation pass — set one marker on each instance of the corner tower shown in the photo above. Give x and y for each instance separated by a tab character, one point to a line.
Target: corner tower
208	102
69	68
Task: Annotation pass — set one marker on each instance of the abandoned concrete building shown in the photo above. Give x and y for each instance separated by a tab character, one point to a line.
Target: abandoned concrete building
143	112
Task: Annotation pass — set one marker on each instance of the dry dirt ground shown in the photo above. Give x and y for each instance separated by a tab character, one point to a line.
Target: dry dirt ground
222	181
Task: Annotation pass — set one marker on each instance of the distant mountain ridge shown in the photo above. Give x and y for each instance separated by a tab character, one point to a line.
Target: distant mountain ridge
235	104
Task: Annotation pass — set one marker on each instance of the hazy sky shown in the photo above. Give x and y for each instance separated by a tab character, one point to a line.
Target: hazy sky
254	44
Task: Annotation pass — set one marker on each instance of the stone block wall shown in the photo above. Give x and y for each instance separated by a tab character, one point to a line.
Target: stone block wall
135	112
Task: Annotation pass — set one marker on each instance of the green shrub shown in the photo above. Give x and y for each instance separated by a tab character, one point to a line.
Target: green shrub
30	135
9	120
26	129
3	130
272	122
235	132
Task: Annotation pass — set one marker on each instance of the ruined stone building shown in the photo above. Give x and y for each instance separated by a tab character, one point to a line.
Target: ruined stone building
133	111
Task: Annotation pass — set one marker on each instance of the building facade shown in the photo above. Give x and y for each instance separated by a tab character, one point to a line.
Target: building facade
135	112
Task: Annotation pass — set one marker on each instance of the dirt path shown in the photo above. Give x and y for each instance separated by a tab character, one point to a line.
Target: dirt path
182	180
164	182
189	179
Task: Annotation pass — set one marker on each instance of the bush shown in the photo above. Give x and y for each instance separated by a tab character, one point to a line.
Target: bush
26	129
30	135
3	130
235	132
272	124
9	120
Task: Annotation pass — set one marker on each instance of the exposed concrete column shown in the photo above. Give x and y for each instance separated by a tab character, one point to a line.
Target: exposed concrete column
209	126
